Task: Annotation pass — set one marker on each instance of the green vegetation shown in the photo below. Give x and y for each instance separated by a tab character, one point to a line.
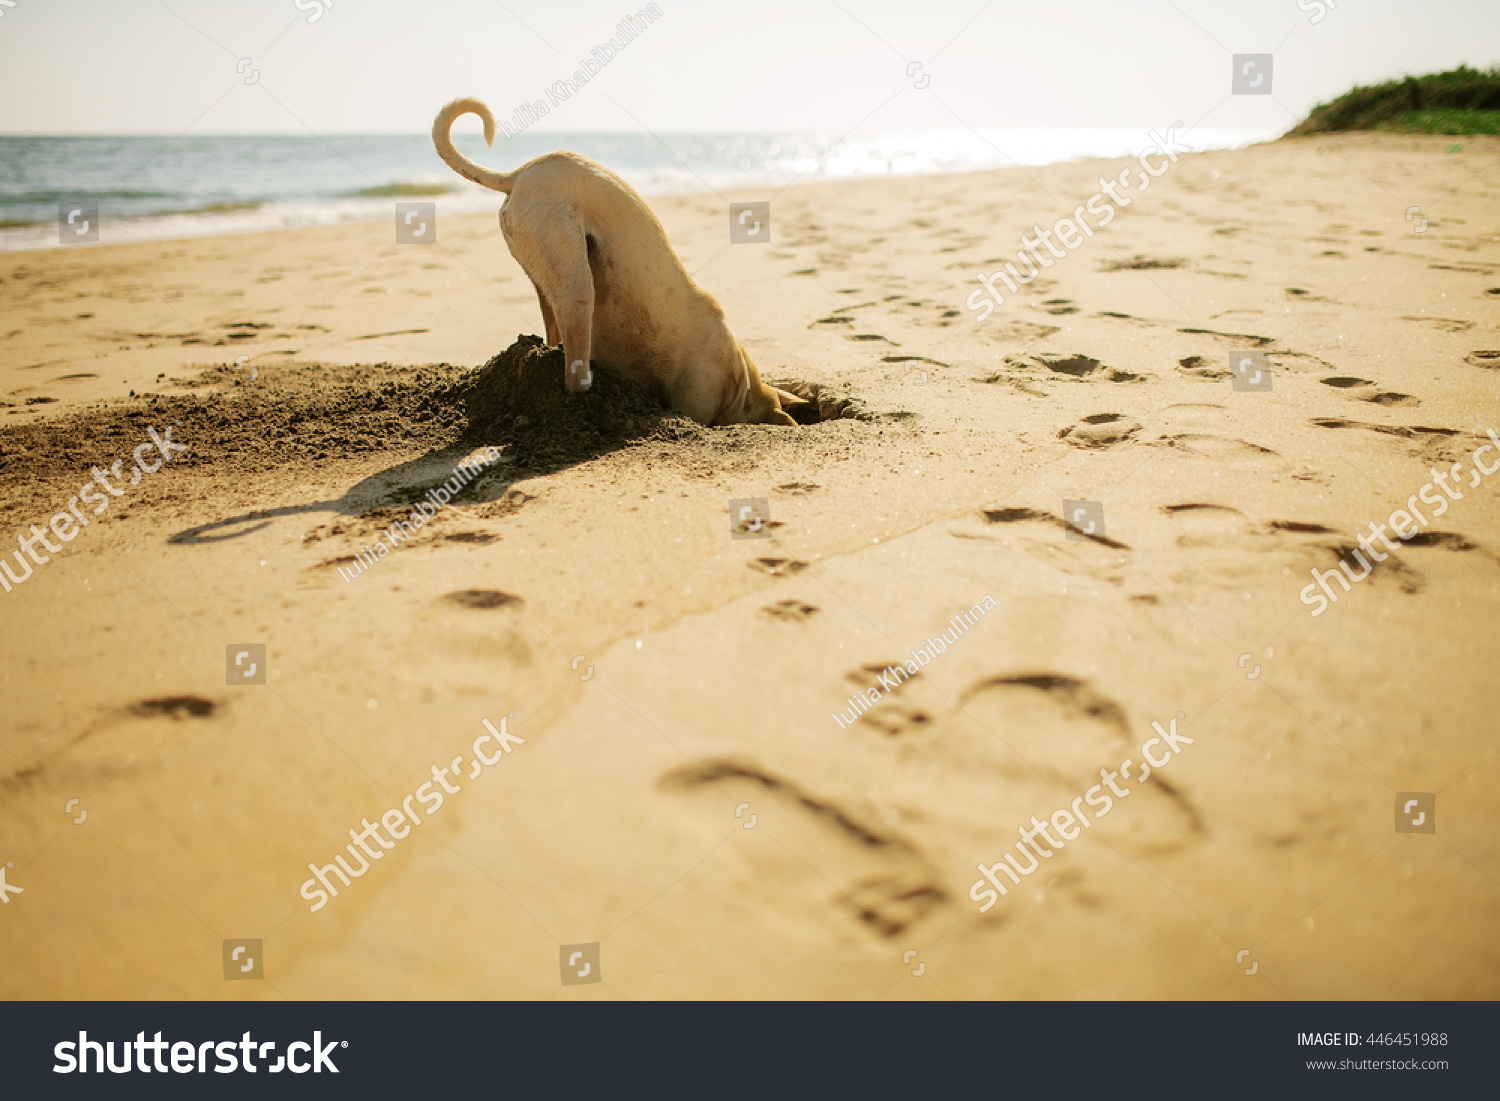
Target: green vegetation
1460	101
403	191
1445	122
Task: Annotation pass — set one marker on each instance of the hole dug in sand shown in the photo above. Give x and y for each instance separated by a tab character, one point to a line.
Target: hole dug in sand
823	403
518	399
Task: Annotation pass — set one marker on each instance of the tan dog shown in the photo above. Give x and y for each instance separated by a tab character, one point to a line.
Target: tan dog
611	288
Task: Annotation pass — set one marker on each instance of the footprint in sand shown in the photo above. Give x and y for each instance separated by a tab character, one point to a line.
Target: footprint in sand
1241	339
1320	550
1037	516
1300	527
394	332
1224	543
876	675
1358	386
174	707
1100	430
1446	324
790	611
1141	322
1202	524
1018	332
896	720
114	742
1057	306
1339	554
1074	365
1203	368
945	315
1063	730
1289	361
1489	359
1404	431
778	567
879	877
1448	540
483	599
1200	408
343	560
1086	554
1215	447
1143	263
892	717
912	359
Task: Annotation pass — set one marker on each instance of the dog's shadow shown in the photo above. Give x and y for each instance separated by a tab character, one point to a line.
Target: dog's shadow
396	486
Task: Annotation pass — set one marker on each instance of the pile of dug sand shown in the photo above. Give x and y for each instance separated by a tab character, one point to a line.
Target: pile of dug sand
316	412
284	419
518	401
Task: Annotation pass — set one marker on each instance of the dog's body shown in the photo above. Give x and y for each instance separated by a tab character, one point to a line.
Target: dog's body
612	291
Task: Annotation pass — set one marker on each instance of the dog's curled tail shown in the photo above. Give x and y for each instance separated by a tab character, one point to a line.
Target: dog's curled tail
469	170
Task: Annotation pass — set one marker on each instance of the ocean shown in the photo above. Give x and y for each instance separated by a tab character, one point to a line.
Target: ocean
156	188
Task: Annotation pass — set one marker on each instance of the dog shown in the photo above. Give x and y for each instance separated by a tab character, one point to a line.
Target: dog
611	289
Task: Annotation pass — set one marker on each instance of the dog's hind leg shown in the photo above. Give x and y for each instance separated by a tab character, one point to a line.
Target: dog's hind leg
547	319
575	322
552	249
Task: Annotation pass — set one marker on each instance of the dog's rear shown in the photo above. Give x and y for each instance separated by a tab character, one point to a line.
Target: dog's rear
610	286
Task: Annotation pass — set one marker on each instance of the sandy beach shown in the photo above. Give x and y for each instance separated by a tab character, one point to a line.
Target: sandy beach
701	757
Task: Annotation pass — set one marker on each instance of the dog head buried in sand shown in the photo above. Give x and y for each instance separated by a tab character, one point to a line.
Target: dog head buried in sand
611	289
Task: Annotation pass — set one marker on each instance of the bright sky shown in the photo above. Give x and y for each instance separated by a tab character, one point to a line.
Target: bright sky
385	66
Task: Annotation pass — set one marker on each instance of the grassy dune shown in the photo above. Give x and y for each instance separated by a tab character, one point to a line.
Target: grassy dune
1460	101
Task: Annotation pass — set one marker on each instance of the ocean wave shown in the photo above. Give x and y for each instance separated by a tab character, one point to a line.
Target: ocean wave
226	206
231	218
242	187
403	191
83	194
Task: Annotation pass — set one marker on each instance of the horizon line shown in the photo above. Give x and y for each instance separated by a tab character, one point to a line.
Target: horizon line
586	133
